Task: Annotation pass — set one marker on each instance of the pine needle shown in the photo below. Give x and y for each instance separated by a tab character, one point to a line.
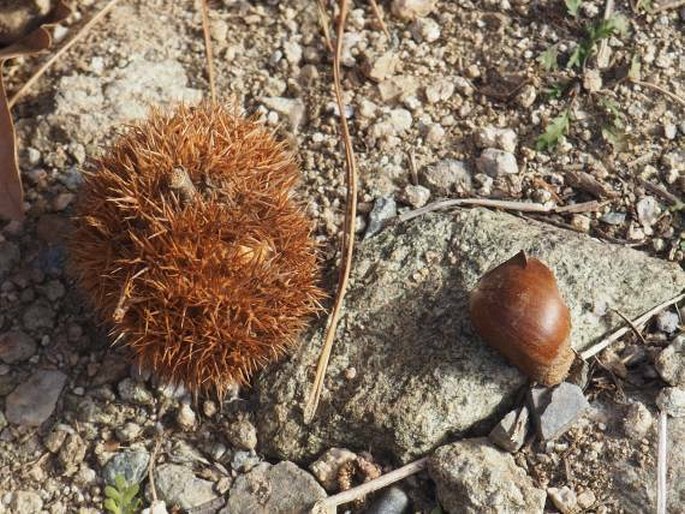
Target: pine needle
348	228
662	464
208	50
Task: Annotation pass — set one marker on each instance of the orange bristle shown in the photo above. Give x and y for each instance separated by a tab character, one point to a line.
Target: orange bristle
189	242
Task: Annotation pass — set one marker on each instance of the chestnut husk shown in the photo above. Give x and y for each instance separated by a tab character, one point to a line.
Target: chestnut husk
517	309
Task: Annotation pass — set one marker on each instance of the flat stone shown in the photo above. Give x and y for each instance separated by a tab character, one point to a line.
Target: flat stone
555	410
446	177
280	489
16	347
671	362
32	402
496	163
178	485
422	375
510	433
472	477
131	465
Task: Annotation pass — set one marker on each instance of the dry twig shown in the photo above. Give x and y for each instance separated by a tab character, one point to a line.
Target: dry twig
603	52
329	504
660	89
500	204
208	50
324	21
348	228
662	464
59	53
379	16
637	322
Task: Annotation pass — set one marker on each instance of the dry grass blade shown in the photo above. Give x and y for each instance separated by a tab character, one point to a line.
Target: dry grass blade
59	53
208	49
329	504
662	464
348	229
660	89
637	322
499	204
325	23
671	5
379	16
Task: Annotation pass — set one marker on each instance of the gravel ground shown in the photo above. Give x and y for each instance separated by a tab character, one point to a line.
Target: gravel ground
450	105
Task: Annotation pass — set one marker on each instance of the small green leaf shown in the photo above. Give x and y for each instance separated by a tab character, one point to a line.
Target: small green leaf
112	506
111	492
554	131
578	57
572	6
548	58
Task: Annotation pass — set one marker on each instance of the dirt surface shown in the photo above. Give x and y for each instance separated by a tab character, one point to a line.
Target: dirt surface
415	99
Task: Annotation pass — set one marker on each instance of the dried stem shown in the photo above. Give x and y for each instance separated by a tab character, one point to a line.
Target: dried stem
324	21
379	16
348	228
500	204
151	468
641	320
59	53
208	50
329	504
603	52
660	89
662	464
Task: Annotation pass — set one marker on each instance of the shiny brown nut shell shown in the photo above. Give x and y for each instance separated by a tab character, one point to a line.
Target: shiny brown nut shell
517	309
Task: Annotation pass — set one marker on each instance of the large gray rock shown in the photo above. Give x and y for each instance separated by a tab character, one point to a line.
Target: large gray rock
474	477
33	401
280	489
420	374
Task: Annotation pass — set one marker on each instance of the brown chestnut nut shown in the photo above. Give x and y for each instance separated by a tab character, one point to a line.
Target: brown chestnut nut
517	309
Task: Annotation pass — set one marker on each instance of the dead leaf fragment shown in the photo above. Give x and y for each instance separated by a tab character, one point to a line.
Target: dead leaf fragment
11	192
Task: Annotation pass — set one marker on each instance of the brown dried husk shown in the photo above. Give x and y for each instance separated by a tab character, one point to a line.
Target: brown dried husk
207	289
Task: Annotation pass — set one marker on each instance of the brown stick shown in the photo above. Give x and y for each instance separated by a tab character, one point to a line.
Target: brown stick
208	50
379	16
329	504
348	229
660	89
500	204
56	56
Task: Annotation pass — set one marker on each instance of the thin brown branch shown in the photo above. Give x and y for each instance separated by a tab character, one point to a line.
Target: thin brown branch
379	16
660	89
662	464
208	50
670	198
637	322
603	52
500	204
329	504
151	468
348	228
62	50
324	21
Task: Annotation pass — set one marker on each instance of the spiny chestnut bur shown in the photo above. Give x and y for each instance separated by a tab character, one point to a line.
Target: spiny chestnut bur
517	309
188	241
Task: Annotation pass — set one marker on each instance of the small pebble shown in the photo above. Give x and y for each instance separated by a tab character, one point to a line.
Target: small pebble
667	321
671	362
416	196
496	163
185	417
563	499
637	421
672	401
